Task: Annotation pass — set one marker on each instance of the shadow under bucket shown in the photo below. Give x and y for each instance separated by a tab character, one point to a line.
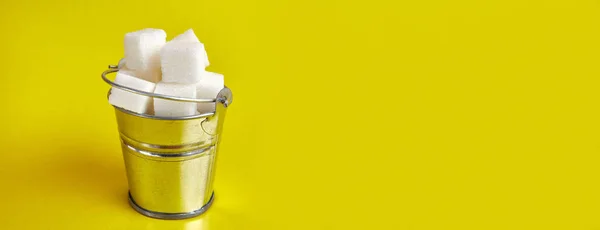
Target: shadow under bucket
170	161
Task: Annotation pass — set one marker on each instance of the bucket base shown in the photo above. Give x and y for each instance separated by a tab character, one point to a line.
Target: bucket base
171	216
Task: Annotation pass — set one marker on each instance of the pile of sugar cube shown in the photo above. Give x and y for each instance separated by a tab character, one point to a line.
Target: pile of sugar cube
175	68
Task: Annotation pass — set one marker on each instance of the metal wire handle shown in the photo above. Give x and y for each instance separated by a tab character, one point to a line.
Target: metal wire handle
113	68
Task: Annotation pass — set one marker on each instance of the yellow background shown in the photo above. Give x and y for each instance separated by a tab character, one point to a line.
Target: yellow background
347	114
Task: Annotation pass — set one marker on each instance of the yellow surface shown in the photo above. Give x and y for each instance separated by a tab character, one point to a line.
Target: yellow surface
347	115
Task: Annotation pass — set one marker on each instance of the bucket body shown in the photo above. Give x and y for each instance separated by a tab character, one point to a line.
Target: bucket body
170	162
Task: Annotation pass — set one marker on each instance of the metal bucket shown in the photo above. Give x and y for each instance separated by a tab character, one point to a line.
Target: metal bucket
170	161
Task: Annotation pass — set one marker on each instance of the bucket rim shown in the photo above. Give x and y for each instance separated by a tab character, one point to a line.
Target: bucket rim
197	116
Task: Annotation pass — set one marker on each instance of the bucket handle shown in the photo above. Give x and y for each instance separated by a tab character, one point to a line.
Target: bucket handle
223	97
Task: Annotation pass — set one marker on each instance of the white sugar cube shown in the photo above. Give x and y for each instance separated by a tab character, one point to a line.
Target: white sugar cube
168	108
142	52
187	36
209	86
182	62
190	36
131	101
